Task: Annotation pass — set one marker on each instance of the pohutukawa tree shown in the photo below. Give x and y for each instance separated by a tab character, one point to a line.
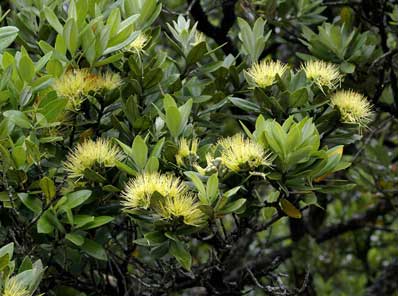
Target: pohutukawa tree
198	148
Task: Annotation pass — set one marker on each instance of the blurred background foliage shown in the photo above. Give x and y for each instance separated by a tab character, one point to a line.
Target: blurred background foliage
222	147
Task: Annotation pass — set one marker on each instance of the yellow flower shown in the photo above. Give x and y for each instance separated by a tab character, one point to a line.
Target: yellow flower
238	153
139	43
187	150
263	74
139	191
109	81
15	288
89	154
74	85
77	84
353	107
175	200
322	73
184	206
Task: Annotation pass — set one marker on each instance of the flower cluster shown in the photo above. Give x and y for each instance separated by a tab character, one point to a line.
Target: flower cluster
353	107
238	153
164	195
138	44
77	84
91	153
263	74
322	73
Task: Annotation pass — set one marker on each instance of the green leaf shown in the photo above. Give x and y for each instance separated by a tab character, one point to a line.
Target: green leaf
72	13
32	203
53	20
152	165
139	152
94	176
157	150
71	36
185	111
289	209
309	199
4	261
94	249
168	101
208	210
82	220
39	65
109	60
171	236
19	156
7	36
54	68
89	45
141	242
44	224
120	40
25	265
53	109
124	167
110	188
196	53
155	238
18	117
347	68
199	186
26	68
298	98
75	199
273	196
268	212
7	249
212	188
161	250
178	250
173	121
97	222
60	45
48	187
75	238
245	105
232	206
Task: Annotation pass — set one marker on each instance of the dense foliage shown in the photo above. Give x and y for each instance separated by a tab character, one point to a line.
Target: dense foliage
198	148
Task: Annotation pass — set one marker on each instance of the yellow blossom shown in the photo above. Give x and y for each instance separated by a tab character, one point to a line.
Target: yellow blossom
77	84
139	43
186	150
322	73
74	85
109	81
238	153
139	190
15	288
263	74
353	107
175	200
182	205
89	154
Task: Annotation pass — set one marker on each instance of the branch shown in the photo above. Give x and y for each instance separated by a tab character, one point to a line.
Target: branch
219	34
357	222
258	265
